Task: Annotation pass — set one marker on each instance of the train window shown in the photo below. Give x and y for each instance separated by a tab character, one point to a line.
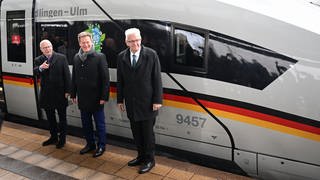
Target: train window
155	34
107	37
57	33
189	48
16	36
113	43
245	64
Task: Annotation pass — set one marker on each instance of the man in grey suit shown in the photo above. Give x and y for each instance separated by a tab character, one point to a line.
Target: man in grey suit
139	92
55	86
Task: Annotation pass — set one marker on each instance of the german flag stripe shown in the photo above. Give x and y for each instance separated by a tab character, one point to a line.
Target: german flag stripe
18	81
288	126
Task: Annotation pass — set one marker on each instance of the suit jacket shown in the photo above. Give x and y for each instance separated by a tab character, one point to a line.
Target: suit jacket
139	87
90	81
54	82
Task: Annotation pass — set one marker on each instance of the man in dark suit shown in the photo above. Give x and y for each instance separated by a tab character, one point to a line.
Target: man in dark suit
139	87
55	88
90	84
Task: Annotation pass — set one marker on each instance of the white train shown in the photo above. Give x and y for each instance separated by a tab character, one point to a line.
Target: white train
241	78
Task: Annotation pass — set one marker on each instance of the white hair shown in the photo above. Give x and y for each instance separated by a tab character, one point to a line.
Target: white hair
45	41
130	31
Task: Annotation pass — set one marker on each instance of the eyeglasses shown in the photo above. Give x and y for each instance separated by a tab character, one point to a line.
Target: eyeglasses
134	41
46	47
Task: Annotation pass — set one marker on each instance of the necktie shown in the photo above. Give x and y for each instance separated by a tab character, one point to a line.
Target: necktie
134	61
49	59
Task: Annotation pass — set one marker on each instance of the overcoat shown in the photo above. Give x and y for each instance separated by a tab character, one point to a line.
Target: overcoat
139	87
54	81
90	81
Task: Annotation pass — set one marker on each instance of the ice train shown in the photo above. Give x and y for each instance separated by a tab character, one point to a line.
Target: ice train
241	78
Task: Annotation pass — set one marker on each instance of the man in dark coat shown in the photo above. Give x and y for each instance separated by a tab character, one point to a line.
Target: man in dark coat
55	88
90	84
139	87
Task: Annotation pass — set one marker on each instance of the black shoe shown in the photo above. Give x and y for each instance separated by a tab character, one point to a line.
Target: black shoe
135	162
146	167
60	144
51	140
87	149
99	152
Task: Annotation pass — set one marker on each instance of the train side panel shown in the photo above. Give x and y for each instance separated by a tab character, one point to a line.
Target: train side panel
248	95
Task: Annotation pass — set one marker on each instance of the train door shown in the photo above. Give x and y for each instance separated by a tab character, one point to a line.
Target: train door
17	58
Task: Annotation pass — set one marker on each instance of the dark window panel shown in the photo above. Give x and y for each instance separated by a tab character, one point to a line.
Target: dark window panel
155	34
16	36
57	34
244	64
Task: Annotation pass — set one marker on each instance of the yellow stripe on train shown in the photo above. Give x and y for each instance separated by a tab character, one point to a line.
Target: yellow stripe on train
17	83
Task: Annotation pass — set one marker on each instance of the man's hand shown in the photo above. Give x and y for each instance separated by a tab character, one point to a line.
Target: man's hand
121	107
74	100
156	107
44	65
102	102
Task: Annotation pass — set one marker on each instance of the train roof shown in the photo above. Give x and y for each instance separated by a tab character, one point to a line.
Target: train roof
290	27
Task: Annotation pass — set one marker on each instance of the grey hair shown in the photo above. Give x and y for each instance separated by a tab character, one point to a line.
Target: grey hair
135	31
45	41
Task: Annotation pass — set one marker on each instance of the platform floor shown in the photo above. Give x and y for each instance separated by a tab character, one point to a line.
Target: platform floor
23	157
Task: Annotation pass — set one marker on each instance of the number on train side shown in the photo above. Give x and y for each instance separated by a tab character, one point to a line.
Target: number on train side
194	121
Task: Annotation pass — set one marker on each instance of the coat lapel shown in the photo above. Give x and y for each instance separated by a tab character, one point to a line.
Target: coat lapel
127	58
141	57
54	59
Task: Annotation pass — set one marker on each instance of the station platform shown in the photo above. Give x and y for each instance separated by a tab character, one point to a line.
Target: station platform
22	157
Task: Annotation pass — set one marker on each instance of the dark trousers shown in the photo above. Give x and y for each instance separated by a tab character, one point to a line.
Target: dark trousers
143	135
54	127
87	126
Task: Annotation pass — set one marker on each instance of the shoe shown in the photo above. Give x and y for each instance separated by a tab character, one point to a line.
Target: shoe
135	162
99	152
51	140
146	167
87	149
60	144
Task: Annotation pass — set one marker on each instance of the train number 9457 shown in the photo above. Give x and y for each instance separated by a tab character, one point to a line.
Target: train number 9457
194	121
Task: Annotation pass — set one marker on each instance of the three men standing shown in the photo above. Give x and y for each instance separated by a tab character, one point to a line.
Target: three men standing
90	89
139	92
55	88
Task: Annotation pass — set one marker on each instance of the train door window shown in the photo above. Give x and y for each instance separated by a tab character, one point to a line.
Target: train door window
16	36
189	48
57	34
